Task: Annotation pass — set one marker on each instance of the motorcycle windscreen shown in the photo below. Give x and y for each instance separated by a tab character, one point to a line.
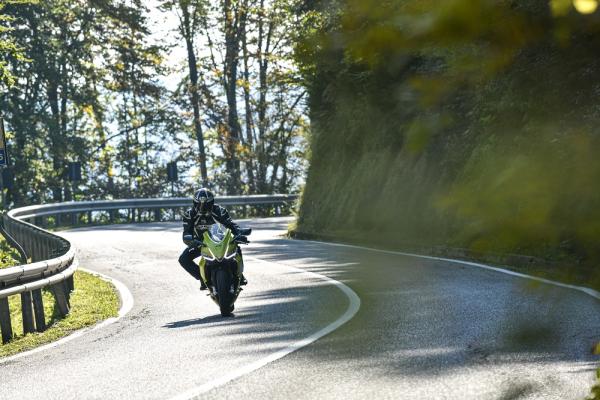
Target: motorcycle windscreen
218	243
217	232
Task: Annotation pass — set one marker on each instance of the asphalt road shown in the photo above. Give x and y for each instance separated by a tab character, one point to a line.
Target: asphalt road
425	330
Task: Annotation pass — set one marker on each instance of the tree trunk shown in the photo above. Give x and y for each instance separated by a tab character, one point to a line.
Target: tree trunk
54	130
188	35
232	45
247	107
263	66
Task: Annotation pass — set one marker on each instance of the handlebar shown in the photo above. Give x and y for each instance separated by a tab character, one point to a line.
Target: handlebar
241	239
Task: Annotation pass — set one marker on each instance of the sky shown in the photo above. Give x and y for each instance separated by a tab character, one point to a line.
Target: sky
163	25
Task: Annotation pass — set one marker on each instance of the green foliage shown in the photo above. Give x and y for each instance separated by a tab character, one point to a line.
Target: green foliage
463	125
8	47
92	301
595	395
89	92
251	101
8	256
83	81
467	124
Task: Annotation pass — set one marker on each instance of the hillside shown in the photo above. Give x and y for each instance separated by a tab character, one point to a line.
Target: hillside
477	142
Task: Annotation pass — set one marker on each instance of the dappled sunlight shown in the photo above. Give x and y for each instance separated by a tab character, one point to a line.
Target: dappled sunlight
438	318
273	318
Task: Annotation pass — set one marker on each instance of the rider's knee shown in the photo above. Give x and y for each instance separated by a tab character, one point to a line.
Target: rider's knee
184	258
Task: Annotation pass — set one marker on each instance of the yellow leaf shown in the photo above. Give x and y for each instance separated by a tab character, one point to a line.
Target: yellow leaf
89	110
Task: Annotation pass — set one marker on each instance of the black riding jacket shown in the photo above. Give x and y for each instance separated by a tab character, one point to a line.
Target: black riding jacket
196	224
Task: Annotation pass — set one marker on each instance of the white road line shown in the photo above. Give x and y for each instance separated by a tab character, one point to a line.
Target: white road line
126	306
353	307
583	289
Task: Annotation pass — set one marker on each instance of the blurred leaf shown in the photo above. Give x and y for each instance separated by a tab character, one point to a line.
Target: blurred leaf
561	7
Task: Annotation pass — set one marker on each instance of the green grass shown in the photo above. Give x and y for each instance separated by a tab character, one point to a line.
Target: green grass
596	389
92	301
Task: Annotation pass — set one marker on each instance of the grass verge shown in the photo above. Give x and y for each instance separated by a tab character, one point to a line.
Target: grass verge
92	301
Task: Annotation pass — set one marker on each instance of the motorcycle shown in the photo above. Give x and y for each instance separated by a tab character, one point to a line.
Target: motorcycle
221	265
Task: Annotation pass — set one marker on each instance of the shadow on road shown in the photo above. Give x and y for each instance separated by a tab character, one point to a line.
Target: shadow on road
274	317
213	319
424	317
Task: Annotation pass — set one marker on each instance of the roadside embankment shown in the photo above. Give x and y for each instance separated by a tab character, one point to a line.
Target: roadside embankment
92	301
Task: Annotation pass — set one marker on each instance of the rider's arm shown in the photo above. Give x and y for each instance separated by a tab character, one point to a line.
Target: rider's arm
188	228
222	216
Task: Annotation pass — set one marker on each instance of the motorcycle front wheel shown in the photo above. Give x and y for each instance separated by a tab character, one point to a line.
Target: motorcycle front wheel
224	281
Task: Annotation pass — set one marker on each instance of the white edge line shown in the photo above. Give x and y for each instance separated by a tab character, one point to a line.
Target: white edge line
586	290
126	299
353	307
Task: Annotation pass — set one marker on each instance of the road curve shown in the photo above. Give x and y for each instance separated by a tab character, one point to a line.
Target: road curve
426	329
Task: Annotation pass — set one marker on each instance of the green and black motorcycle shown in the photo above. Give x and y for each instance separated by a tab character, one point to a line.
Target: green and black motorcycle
221	265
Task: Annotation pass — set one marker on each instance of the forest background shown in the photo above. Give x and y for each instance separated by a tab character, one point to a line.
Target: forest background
124	87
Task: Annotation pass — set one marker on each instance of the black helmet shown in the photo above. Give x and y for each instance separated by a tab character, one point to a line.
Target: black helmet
204	201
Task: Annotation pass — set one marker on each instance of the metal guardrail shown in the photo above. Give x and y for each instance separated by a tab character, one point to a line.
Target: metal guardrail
53	258
53	265
74	213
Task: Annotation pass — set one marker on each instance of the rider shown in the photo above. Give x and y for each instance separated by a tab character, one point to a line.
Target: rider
198	220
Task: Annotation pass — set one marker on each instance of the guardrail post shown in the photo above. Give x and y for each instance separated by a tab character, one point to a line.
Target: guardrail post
73	219
27	311
61	298
35	252
157	214
67	292
38	310
58	220
89	217
5	324
111	216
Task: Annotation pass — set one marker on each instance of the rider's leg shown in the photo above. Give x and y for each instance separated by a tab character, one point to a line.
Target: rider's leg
186	260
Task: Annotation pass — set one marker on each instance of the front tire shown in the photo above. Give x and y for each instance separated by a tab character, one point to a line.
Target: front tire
223	280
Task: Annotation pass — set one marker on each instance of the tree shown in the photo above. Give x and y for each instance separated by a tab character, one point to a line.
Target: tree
189	13
8	47
249	79
87	60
